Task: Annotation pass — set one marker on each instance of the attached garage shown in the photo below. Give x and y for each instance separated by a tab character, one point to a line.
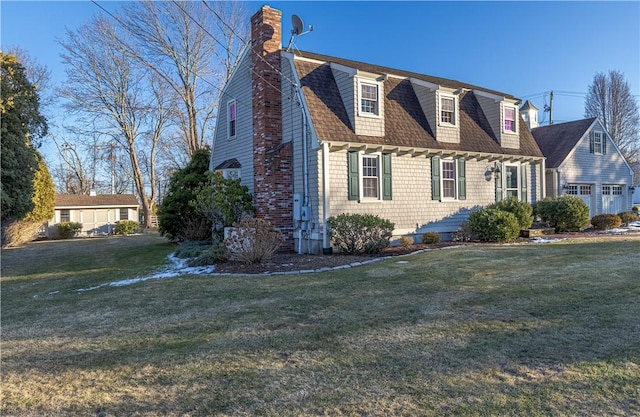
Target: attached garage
613	199
586	194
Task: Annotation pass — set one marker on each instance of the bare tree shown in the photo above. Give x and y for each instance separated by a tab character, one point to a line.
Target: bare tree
182	42
609	98
105	84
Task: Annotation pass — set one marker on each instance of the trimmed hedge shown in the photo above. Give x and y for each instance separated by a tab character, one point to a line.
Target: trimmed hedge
126	227
67	230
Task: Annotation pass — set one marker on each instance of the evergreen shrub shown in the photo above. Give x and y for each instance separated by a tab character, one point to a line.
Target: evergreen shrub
567	213
494	225
429	238
360	233
606	221
628	217
67	230
521	209
127	227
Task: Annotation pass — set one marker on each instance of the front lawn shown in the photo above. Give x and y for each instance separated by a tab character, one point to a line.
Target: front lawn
495	330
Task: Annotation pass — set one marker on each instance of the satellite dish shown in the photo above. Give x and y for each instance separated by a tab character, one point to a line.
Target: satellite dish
297	24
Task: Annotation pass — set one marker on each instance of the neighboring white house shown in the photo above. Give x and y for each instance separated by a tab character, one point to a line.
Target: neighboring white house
582	160
315	136
98	214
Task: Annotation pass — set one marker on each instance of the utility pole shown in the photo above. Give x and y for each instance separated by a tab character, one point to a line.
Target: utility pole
551	108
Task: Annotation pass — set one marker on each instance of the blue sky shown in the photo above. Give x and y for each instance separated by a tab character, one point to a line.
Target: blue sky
521	48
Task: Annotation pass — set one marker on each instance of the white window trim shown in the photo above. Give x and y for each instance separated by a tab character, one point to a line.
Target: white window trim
361	156
455	109
378	86
598	135
515	117
455	179
518	181
229	135
231	173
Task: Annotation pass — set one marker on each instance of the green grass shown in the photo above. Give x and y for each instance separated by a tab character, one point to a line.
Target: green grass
506	330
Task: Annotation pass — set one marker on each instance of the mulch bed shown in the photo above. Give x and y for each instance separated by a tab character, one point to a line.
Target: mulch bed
291	261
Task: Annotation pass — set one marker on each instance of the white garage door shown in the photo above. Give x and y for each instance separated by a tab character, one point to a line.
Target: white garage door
584	191
612	199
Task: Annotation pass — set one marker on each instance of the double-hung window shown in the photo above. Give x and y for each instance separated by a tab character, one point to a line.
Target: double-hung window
448	179
509	117
369	176
231	119
448	110
124	213
598	143
369	99
65	215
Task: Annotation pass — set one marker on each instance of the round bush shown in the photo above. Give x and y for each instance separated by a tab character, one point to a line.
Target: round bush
360	233
521	209
567	213
628	217
494	225
606	221
430	238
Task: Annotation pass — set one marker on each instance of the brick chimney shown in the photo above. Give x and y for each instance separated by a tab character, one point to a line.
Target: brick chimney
272	159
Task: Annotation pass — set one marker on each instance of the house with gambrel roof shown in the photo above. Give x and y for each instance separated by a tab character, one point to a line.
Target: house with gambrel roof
315	136
583	160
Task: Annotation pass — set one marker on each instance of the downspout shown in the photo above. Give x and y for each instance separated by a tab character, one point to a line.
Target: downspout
543	179
305	157
326	245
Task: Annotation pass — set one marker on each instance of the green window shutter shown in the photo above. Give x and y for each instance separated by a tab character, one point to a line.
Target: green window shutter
354	179
435	178
386	176
462	179
604	144
591	142
499	182
523	183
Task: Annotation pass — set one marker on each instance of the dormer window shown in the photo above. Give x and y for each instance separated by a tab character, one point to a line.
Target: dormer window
509	117
369	99
448	110
231	119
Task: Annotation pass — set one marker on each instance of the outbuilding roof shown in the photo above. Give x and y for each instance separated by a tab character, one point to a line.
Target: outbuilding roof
100	200
557	140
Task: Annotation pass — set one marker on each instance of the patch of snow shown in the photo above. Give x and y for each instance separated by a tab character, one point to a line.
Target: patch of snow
545	239
178	267
402	262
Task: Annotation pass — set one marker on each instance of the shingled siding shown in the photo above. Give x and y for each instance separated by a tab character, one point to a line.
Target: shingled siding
607	169
240	148
412	209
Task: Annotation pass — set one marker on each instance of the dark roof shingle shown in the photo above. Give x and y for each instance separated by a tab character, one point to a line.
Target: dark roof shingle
556	141
100	200
405	121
